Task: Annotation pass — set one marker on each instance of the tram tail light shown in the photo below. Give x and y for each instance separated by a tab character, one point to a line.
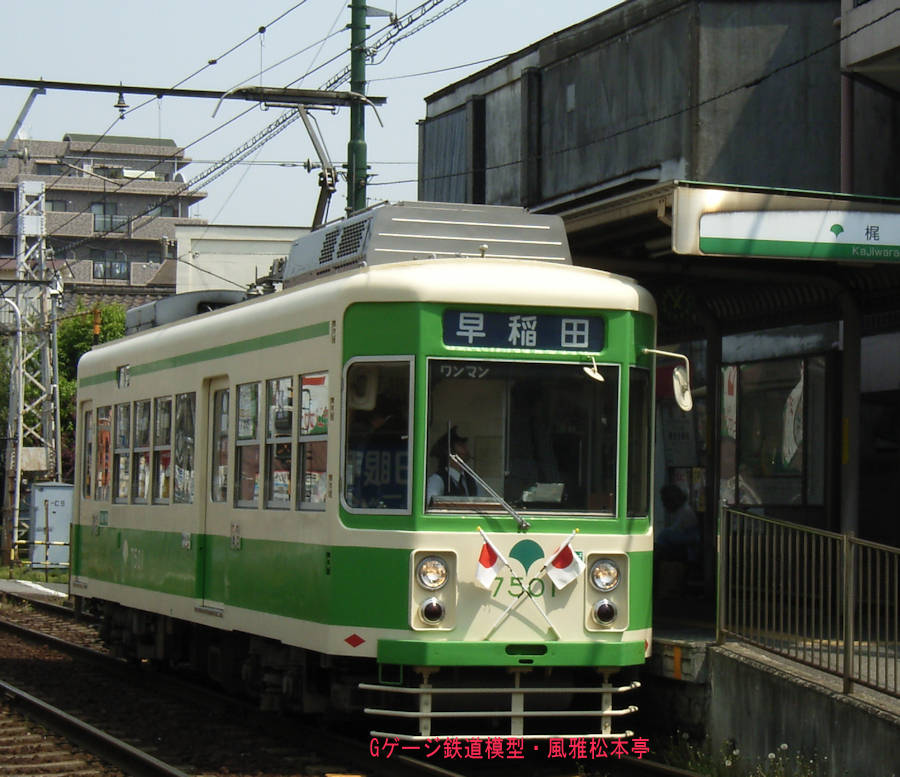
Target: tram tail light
433	593
606	596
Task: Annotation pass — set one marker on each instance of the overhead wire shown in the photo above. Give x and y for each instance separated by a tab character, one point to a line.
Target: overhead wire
100	138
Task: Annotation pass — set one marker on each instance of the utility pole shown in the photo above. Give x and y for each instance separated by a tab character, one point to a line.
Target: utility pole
33	440
356	147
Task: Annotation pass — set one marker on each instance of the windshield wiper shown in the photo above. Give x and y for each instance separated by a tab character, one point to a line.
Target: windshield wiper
523	524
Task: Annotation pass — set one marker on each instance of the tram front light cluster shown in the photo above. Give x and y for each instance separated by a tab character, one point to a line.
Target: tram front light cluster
604	575
606	598
432	573
432	611
434	591
604	612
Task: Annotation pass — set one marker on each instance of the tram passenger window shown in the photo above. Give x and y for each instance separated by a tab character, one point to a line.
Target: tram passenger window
219	472
162	450
140	488
185	411
122	456
247	446
312	470
376	461
87	441
279	433
639	404
104	449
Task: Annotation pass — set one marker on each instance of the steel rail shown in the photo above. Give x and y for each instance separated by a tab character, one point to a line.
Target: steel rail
135	762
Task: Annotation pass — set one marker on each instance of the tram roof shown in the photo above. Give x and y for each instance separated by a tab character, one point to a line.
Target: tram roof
399	232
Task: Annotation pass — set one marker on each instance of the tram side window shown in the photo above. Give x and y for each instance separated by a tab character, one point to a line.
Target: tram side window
246	456
122	456
162	450
219	471
377	443
104	450
87	459
185	412
312	470
140	489
279	431
639	404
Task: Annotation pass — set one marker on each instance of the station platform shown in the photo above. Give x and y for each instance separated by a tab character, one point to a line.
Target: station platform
55	593
762	703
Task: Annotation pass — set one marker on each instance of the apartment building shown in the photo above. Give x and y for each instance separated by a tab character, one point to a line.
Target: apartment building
111	206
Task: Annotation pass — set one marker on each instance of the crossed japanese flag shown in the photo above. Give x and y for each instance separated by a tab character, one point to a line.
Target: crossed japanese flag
562	566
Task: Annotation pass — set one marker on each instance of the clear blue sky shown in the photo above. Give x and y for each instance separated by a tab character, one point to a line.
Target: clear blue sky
161	44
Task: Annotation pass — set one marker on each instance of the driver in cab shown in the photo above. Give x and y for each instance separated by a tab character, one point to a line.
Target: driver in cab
449	479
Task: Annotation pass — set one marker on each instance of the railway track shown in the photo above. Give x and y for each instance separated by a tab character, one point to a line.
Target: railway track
160	716
182	727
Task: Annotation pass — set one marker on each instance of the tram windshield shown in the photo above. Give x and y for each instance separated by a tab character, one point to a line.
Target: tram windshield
541	435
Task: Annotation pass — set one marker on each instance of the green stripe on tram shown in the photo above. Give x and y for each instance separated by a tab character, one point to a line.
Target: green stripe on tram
310	332
324	584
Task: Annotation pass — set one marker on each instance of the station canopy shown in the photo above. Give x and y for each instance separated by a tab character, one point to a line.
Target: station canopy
747	258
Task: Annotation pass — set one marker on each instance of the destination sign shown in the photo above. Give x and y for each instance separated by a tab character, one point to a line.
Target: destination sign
523	331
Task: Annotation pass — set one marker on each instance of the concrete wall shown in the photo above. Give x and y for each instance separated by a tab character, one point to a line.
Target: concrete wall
229	257
785	130
759	708
731	91
618	105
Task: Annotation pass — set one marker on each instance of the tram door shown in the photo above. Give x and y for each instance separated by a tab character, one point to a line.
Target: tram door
216	530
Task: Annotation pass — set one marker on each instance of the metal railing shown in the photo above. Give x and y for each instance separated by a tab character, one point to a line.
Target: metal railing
788	589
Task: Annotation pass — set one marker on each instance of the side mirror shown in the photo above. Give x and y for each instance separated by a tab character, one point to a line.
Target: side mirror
681	379
681	382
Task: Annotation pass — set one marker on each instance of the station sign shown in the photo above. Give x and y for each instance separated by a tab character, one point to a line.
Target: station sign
841	235
523	331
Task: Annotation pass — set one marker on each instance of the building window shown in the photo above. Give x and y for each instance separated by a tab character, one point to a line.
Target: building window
773	433
107	218
56	205
45	168
110	265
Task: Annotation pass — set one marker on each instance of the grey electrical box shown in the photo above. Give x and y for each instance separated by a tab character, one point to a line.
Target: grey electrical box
50	516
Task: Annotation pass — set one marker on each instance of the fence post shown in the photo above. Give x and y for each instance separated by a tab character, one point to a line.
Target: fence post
849	575
721	597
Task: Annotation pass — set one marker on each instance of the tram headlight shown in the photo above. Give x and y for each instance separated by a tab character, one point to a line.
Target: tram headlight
604	574
432	573
432	611
604	612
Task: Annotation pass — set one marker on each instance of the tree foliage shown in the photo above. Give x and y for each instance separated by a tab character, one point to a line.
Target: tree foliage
74	338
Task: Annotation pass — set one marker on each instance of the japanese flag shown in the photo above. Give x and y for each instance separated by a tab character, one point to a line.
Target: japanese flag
564	565
490	562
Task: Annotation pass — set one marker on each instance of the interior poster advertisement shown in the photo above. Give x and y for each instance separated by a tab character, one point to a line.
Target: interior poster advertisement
314	399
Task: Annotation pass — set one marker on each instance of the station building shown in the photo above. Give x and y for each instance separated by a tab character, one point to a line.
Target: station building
740	159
